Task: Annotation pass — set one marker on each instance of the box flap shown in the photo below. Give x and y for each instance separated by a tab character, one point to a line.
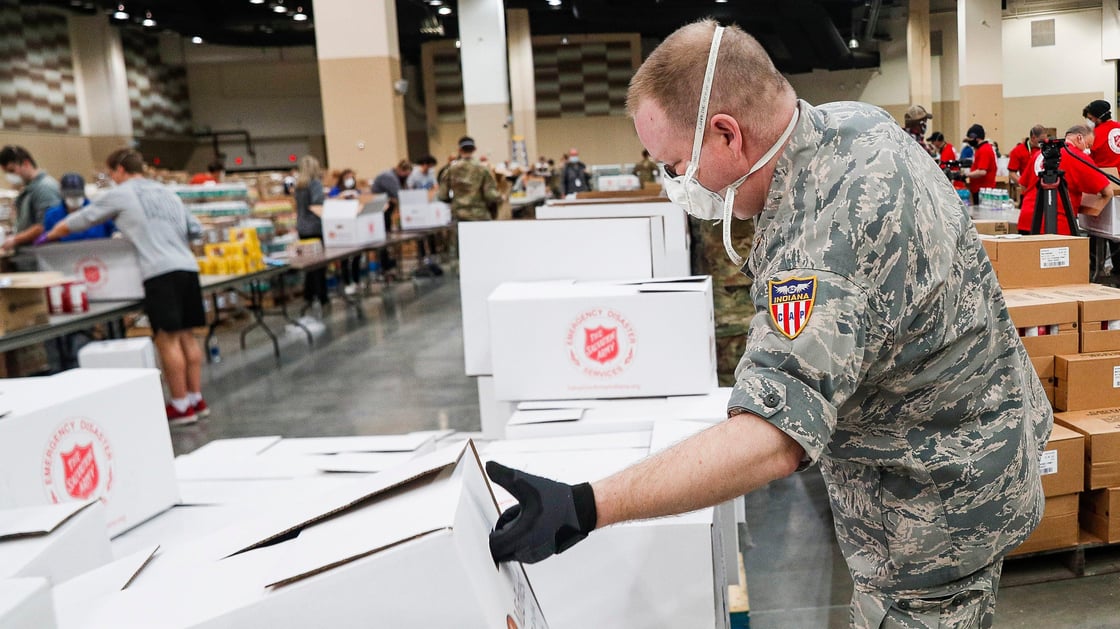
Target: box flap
604	441
341	208
243	468
233	448
31	280
360	462
73	598
373	443
36	521
17	592
1092	422
249	491
541	405
545	416
1061	433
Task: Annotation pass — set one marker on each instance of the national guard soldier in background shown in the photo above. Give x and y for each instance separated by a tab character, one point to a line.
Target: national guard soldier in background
882	349
731	289
646	170
469	186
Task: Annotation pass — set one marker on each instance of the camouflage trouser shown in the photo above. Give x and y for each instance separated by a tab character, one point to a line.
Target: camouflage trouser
729	350
968	603
472	214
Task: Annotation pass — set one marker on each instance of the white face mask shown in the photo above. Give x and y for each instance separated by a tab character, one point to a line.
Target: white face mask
1090	124
348	182
14	179
73	203
574	159
687	192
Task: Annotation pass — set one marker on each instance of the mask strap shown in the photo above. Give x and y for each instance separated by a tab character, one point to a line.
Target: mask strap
728	206
705	93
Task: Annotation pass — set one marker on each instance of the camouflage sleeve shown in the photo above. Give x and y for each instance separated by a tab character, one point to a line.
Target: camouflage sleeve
444	191
805	354
490	188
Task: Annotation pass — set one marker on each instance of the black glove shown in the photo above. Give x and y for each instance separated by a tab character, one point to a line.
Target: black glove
549	519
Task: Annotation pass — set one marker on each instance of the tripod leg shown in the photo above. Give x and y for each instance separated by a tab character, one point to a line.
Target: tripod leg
1039	208
1067	205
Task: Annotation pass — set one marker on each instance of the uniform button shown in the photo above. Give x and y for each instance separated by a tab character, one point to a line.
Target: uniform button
771	400
904	605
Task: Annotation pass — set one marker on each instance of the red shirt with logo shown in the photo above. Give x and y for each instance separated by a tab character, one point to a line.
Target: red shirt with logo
948	154
1018	159
1080	178
985	159
1106	144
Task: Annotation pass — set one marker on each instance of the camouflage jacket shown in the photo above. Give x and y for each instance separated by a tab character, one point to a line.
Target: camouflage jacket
882	344
730	288
646	171
470	188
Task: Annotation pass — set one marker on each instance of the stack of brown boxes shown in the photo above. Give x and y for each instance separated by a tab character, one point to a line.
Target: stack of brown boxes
1071	330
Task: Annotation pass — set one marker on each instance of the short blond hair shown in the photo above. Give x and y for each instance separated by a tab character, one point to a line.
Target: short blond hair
746	84
309	169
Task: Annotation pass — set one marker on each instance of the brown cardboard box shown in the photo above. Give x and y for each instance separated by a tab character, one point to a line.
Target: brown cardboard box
1049	390
995	228
1058	528
1100	513
1044	367
1112	170
1035	308
24	361
1097	305
1038	261
23	302
1101	428
1063	463
1087	381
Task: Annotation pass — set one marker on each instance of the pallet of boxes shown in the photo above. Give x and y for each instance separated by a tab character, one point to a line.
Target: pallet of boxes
1071	330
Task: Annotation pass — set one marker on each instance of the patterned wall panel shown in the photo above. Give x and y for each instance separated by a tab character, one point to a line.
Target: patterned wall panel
37	91
582	78
157	92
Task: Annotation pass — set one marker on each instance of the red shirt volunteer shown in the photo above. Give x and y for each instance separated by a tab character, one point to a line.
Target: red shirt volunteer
1079	177
985	160
1106	144
1018	159
948	154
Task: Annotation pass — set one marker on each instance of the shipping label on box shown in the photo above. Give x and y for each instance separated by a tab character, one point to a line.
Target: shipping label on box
1038	261
1100	513
570	340
1087	381
110	267
1058	528
1101	428
88	434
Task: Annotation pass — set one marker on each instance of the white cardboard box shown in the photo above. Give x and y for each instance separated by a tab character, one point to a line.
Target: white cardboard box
134	353
354	222
556	418
674	258
26	604
494	413
85	434
419	211
110	267
1107	223
492	252
73	598
407	549
665	573
54	542
563	340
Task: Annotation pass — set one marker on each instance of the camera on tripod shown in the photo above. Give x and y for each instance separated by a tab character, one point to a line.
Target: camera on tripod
1051	153
953	168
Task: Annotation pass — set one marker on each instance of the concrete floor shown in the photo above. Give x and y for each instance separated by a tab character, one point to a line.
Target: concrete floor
401	369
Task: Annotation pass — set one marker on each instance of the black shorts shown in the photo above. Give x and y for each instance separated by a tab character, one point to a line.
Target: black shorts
173	301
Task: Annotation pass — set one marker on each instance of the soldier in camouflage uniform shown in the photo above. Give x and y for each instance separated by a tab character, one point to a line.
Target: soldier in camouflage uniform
469	186
731	290
881	350
646	169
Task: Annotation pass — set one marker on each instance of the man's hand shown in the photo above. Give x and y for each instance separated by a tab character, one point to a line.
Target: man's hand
550	518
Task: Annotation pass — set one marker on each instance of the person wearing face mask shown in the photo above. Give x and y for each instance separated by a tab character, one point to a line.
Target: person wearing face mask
38	192
346	187
915	122
73	199
982	174
1080	178
882	350
574	178
942	150
469	186
1106	133
1023	153
421	177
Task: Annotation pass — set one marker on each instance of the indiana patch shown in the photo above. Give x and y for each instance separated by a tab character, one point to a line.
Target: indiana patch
791	304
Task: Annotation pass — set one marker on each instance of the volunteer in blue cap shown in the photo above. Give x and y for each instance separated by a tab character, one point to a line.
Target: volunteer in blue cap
73	199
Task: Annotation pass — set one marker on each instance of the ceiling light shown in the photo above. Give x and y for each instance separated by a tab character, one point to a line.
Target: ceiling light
279	8
444	11
120	13
564	41
553	3
853	43
300	16
458	43
196	40
256	1
435	3
148	21
721	1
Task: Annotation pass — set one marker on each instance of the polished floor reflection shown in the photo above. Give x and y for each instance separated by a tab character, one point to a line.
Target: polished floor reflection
401	368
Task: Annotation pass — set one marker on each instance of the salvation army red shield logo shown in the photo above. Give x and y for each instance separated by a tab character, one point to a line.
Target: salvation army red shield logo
93	271
1114	140
791	304
601	342
77	462
80	467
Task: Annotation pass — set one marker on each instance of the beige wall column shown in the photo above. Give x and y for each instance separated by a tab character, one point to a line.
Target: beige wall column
99	77
918	62
359	67
482	24
980	41
522	81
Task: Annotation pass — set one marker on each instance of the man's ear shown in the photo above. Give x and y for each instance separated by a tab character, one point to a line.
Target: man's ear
731	135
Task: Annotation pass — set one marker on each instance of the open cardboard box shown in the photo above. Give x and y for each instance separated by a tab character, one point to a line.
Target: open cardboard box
26	604
419	210
564	339
88	434
674	259
354	222
407	547
55	542
492	252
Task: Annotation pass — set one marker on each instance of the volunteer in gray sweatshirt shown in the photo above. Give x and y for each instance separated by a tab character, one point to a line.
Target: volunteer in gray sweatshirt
160	226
